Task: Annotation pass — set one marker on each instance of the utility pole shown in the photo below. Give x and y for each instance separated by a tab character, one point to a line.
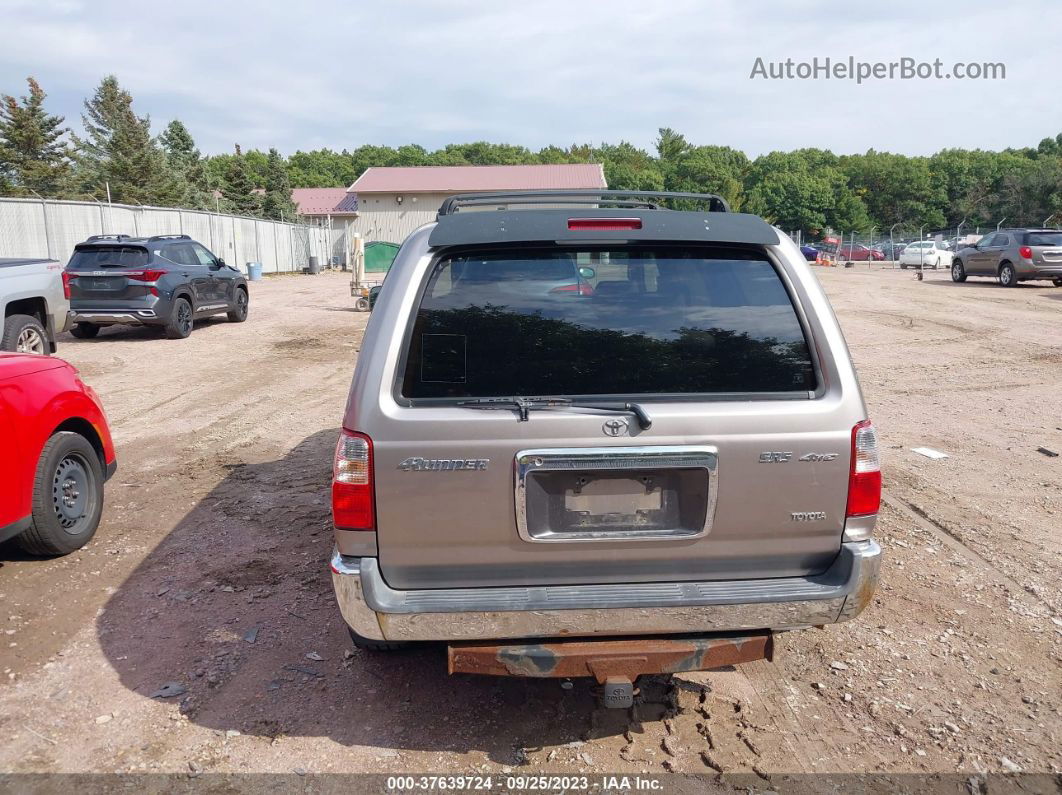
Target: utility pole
921	252
110	216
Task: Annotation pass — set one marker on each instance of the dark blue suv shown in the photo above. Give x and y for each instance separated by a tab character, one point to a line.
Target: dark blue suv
167	281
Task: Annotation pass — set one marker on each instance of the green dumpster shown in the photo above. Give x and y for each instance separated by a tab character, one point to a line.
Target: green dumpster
379	256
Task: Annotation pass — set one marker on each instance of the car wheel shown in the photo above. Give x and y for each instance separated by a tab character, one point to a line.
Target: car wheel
180	325
368	644
239	311
67	496
958	272
361	305
24	334
85	331
1008	277
1058	282
903	267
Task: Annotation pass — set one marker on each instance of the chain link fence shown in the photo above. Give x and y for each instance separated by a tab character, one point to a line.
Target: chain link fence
884	249
45	228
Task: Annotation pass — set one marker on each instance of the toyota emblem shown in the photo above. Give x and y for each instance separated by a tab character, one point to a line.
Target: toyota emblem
615	427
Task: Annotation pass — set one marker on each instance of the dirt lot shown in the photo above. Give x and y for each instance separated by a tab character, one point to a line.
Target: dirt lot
210	570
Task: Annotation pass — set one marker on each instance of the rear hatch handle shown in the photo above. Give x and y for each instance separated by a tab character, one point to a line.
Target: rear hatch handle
524	406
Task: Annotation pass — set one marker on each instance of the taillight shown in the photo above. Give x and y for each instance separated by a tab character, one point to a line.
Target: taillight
67	276
604	223
582	288
352	483
864	479
1025	251
146	276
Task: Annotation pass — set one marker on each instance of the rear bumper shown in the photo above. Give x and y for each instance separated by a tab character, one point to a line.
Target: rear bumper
375	610
1040	272
106	317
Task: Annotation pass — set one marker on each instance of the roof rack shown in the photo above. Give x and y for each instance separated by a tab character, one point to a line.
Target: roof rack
106	237
642	199
168	237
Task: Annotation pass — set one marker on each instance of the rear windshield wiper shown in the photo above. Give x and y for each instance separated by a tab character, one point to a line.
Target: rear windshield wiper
521	404
524	405
645	422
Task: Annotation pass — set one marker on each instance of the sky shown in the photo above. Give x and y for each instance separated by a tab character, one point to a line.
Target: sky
342	74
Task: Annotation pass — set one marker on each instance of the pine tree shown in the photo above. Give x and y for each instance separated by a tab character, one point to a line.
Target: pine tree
33	155
119	150
238	187
187	163
277	203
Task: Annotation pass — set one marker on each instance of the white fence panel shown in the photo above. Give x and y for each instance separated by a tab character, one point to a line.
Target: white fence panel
32	228
197	226
24	231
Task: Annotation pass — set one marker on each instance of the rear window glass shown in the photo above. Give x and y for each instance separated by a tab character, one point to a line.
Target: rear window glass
1043	239
98	257
637	321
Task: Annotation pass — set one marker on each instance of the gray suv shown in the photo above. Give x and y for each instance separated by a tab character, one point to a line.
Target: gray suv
1012	256
167	281
631	425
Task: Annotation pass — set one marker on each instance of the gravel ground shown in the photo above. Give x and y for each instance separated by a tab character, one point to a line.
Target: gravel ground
198	631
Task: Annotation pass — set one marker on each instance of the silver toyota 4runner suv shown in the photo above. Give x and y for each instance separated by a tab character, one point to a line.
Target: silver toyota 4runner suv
586	416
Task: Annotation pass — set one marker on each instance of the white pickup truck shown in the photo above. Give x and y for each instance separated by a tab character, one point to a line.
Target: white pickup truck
33	305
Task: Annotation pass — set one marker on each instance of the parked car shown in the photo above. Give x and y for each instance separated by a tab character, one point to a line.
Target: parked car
926	254
57	455
891	251
168	281
1012	256
34	304
859	253
681	451
810	252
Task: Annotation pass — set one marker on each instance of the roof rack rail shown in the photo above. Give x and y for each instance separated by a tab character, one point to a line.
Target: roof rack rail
642	199
106	237
169	237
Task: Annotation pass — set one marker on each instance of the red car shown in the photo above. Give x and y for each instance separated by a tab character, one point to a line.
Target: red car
57	455
859	253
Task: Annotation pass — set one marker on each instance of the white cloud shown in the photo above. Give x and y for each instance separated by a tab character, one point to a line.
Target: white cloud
343	74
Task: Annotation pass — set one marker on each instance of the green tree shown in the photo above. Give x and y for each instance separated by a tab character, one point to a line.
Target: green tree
709	169
804	190
187	164
34	156
670	145
897	189
277	202
118	151
629	168
238	187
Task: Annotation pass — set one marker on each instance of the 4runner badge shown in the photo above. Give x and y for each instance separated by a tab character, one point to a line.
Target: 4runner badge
442	464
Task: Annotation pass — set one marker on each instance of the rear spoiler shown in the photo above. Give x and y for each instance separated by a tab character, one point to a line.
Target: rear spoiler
533	217
552	226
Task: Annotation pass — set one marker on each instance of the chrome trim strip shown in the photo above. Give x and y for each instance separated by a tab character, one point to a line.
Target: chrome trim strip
368	604
649	457
124	317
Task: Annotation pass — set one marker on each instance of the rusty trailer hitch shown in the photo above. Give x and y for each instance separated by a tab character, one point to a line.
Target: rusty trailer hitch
614	663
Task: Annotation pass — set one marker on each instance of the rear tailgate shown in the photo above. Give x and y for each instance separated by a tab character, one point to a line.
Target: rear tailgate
447	527
101	276
742	473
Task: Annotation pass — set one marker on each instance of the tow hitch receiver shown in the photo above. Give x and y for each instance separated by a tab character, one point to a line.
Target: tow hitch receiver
614	663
